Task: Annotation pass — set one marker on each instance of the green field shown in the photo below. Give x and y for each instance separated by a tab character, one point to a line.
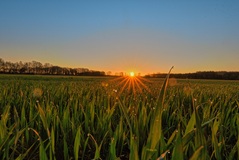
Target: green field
57	117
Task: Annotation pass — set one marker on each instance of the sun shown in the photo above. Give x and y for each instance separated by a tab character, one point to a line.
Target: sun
130	83
131	74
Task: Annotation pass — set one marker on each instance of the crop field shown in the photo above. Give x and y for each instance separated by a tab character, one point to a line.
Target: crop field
59	117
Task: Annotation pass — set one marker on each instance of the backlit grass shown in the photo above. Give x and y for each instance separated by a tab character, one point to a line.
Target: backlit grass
46	117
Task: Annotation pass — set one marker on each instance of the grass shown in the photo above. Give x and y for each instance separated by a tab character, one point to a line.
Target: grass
47	117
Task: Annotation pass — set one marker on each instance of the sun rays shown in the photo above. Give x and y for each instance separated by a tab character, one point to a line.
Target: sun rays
132	83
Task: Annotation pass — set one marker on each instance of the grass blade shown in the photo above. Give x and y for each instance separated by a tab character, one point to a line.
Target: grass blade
155	132
77	143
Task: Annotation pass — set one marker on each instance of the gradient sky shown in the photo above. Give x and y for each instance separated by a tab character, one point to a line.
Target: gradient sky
142	36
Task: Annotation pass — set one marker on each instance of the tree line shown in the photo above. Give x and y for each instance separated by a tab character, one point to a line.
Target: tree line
222	75
35	67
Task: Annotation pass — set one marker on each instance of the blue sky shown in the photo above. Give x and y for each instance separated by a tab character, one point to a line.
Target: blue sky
143	36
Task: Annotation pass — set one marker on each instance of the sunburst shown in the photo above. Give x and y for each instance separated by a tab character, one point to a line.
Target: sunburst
131	83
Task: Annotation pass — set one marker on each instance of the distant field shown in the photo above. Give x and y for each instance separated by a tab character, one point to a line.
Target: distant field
55	117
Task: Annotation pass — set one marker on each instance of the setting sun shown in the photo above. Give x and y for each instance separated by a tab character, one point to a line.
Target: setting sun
131	74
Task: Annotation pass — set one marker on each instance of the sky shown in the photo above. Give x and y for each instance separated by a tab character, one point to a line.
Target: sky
140	36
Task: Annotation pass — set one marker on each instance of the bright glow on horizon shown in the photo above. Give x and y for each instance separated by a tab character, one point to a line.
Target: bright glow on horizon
132	74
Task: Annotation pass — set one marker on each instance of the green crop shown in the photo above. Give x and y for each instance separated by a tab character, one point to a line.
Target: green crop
58	117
